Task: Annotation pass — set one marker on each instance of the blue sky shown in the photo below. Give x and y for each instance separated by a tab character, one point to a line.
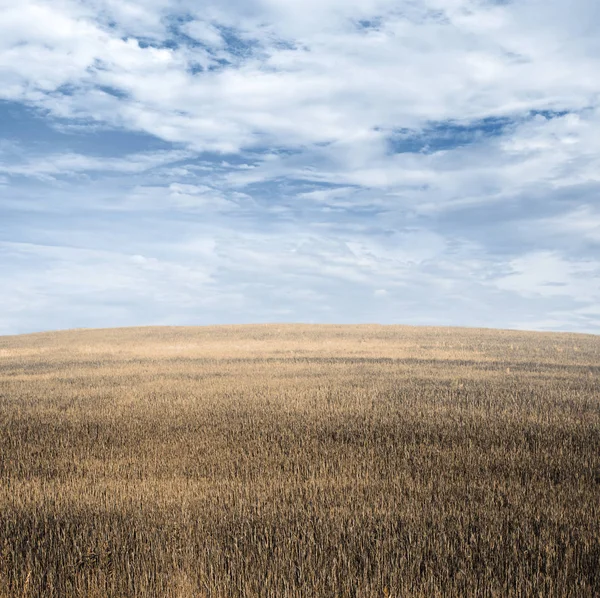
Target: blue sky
174	162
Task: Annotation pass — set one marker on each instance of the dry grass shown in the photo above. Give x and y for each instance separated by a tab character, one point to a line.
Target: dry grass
299	461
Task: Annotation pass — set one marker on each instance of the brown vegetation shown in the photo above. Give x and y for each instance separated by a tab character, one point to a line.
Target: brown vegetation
299	461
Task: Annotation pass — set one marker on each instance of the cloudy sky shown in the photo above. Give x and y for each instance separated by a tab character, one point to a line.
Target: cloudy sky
405	161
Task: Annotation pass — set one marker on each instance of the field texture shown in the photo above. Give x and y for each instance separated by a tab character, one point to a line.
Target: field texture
299	461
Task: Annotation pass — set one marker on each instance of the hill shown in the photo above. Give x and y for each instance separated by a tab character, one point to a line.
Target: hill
296	460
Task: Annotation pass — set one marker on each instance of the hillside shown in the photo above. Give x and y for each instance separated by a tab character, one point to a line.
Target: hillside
299	461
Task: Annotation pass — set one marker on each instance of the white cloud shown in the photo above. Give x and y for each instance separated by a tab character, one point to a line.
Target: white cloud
184	197
582	223
337	82
53	165
204	32
547	274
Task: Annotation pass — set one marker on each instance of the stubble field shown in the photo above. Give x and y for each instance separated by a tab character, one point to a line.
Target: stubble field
299	461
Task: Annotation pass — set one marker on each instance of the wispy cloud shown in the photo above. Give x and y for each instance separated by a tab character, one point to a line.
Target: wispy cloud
59	165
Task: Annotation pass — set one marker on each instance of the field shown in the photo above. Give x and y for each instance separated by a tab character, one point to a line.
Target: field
299	461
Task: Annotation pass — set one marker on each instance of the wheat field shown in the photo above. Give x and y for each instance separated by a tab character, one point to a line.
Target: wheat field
299	461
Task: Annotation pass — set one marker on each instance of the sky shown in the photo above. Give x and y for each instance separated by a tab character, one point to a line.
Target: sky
170	162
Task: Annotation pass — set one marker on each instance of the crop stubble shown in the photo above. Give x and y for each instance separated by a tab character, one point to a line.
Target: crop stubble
299	461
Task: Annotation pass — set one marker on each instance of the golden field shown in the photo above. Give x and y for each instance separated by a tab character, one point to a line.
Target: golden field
299	461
